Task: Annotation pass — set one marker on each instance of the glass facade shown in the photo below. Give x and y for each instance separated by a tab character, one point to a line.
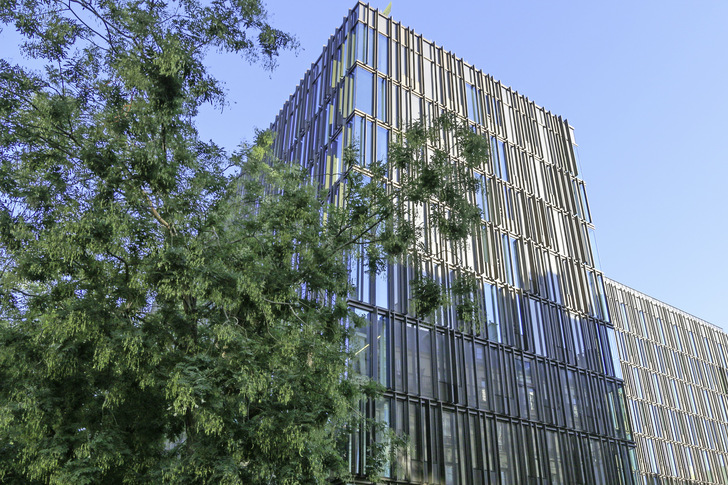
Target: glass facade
532	393
676	376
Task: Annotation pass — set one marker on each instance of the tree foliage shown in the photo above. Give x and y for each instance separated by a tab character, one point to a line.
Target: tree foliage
169	312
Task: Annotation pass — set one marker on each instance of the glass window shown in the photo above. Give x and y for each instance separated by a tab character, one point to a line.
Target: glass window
360	346
473	106
363	139
597	348
364	44
476	450
382	415
693	405
531	396
449	438
584	202
398	355
383	54
496	381
616	364
566	397
515	267
427	72
597	462
484	260
692	344
412	368
505	453
546	392
601	292
481	376
481	196
722	355
676	332
469	374
643	323
554	453
364	90
654	468
405	72
359	278
521	388
417	433
381	288
575	398
396	115
578	340
507	260
614	409
555	277
636	416
503	164
382	349
577	465
425	361
395	61
492	316
626	428
416	76
443	368
537	338
707	348
662	331
637	382
382	143
494	154
382	103
625	318
360	39
415	107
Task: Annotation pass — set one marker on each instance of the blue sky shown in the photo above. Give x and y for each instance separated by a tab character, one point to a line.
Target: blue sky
643	83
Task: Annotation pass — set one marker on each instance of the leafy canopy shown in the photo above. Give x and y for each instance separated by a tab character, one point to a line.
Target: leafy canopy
170	313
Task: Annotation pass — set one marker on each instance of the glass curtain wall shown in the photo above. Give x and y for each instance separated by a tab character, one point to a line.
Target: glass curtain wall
676	382
532	394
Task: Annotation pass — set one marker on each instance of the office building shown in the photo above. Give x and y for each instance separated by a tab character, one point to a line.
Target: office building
676	376
534	395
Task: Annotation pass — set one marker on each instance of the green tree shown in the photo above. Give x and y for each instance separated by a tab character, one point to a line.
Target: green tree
169	312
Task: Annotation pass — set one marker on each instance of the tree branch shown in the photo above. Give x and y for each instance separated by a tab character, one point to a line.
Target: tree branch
157	216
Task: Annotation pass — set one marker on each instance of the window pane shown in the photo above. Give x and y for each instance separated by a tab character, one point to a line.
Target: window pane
425	362
382	104
360	346
449	437
412	371
443	368
383	61
481	376
381	293
383	351
364	89
382	143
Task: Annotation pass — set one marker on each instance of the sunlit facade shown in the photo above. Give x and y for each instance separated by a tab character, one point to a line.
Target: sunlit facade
676	374
533	395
